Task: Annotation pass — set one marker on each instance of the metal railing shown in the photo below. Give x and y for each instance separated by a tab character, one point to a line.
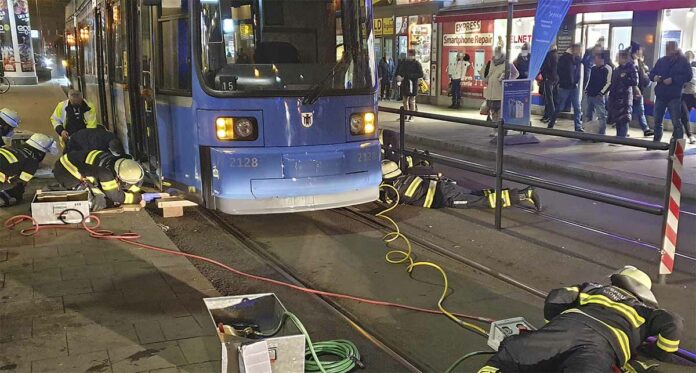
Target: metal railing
500	174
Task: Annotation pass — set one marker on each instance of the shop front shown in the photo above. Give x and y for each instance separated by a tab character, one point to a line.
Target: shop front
476	30
16	52
401	25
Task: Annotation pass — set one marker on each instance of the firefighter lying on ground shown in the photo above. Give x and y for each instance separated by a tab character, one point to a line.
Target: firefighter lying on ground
424	188
593	328
19	163
111	180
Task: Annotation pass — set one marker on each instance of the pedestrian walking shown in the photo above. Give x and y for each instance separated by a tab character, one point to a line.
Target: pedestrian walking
597	89
568	80
688	98
549	83
623	81
457	73
522	62
641	88
410	72
670	73
494	76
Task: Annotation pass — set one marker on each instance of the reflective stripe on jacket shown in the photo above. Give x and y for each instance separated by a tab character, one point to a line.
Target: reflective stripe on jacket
59	117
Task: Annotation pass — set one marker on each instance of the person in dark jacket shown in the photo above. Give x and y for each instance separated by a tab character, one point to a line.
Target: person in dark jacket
549	82
385	71
597	89
689	98
593	328
19	163
522	62
410	72
623	81
639	92
588	59
670	73
95	139
568	80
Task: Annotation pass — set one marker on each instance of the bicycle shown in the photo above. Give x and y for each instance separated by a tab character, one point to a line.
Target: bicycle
4	85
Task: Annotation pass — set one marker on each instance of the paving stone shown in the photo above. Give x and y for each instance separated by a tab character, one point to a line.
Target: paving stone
41	264
181	327
14	328
72	272
146	357
34	278
141	281
174	308
97	337
13	291
210	366
31	308
104	285
149	332
60	288
47	346
14	365
201	349
183	279
97	361
60	321
165	370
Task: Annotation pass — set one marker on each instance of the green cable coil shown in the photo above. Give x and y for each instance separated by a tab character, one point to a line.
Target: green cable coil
345	350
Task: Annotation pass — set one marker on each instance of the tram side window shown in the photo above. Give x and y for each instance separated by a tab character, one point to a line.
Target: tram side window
175	61
119	70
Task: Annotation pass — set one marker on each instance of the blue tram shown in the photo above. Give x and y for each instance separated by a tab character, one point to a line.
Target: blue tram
251	106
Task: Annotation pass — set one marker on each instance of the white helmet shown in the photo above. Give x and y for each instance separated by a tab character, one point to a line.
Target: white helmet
10	117
43	143
129	171
390	169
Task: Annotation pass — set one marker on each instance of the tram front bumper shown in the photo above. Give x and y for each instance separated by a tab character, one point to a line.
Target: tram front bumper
279	180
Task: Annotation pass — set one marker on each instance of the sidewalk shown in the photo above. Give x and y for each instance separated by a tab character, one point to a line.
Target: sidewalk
622	166
70	303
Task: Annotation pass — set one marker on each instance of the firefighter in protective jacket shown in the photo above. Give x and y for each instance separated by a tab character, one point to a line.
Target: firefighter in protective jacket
424	188
72	115
592	328
18	165
112	180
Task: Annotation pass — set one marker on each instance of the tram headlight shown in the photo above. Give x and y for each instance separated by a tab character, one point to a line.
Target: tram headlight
362	123
236	129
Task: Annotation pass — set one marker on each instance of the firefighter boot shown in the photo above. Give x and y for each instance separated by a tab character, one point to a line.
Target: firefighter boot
531	196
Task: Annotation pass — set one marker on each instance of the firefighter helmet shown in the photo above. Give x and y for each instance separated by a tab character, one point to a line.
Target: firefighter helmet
390	170
10	117
129	171
637	282
43	143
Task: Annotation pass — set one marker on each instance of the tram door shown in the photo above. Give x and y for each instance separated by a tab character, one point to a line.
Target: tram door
145	129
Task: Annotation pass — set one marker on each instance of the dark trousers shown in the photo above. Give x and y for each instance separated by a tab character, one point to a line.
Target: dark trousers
385	88
566	344
688	102
456	92
550	90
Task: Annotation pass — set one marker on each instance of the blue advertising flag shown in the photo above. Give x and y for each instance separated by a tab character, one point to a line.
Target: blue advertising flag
547	21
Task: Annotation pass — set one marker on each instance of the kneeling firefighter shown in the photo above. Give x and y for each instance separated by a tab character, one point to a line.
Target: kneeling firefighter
111	180
425	188
19	163
593	328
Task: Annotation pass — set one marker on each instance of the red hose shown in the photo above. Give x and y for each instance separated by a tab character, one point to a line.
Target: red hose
132	238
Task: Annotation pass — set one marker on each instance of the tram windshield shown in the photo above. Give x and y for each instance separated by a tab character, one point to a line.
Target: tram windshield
279	47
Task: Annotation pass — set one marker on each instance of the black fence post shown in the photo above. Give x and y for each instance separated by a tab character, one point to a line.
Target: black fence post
665	213
499	176
402	139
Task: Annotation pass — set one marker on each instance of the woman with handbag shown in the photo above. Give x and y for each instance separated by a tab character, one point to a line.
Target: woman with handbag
494	76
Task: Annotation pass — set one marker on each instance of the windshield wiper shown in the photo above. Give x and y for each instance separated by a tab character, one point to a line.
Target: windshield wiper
320	87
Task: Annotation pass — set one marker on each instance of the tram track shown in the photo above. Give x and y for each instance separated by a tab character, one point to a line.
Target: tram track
294	278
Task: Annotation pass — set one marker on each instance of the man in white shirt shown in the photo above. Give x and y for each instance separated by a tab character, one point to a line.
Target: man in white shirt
457	72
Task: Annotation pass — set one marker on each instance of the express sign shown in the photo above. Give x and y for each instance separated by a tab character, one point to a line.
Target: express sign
467	27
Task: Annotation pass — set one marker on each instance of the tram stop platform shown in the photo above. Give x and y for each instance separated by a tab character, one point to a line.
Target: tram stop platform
613	166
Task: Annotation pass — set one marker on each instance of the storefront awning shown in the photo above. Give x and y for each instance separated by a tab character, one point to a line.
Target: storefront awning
579	6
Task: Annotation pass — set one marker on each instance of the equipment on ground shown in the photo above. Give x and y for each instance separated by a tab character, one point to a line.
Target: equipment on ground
10	117
505	328
60	207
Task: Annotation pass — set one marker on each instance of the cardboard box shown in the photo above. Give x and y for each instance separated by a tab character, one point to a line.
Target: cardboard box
48	207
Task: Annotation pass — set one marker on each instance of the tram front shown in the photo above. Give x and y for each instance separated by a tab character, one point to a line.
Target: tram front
286	108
